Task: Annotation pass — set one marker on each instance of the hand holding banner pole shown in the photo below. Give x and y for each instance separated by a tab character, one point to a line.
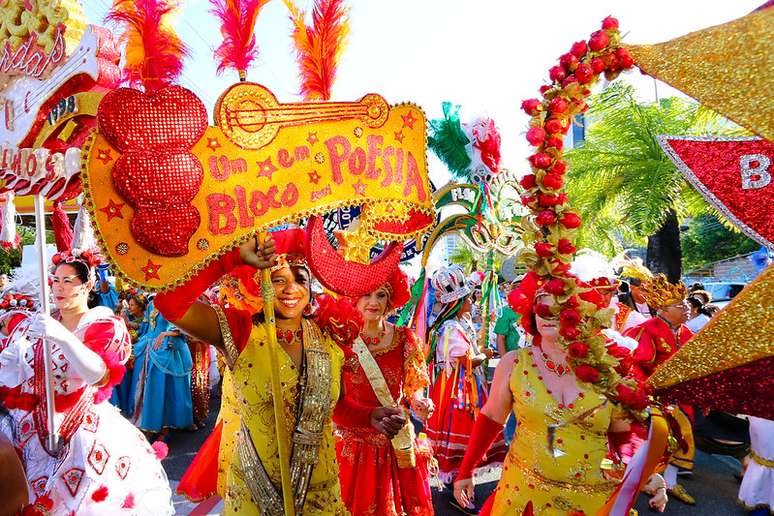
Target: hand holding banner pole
40	243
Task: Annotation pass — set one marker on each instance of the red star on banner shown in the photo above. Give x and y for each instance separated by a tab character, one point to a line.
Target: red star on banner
314	177
312	138
113	210
360	188
151	270
213	144
408	120
399	136
266	168
104	156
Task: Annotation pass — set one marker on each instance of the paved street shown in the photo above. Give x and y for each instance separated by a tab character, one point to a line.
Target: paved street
713	484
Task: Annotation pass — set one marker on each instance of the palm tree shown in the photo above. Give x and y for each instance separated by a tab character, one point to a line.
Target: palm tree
626	188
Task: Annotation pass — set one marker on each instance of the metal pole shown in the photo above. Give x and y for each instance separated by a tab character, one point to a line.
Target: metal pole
40	244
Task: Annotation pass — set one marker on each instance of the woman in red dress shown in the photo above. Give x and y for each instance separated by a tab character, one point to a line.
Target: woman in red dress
385	366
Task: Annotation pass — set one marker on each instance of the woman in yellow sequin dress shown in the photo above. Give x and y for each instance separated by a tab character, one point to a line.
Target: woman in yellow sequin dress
543	476
310	362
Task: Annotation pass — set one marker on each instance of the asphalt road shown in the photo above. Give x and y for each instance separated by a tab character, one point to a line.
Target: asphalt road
713	483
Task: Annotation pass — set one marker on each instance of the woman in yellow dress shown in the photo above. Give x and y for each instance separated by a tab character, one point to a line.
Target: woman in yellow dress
310	362
543	474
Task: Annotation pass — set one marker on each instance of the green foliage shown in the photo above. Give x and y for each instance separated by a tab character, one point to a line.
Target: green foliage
11	258
706	240
620	180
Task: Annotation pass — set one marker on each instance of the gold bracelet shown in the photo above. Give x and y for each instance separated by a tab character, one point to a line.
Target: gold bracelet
228	339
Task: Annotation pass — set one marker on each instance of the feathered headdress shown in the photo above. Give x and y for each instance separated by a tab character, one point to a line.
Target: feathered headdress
154	53
319	47
471	150
237	24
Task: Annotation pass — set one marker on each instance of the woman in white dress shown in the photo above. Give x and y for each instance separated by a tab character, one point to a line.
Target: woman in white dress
103	465
756	493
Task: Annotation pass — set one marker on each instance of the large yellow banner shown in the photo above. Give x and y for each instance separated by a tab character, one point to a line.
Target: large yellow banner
322	157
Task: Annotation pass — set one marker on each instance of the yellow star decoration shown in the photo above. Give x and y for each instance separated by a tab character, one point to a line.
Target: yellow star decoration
355	244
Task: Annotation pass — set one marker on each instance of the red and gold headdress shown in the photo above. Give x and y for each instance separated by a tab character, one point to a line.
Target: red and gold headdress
397	286
289	248
659	292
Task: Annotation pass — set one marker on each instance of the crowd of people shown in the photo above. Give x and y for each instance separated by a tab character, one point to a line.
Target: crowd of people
370	412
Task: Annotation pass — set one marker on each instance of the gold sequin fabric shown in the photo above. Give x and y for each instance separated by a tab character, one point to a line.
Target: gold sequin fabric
572	481
741	333
727	68
252	383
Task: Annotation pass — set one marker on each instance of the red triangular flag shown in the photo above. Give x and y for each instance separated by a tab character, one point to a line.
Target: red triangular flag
735	175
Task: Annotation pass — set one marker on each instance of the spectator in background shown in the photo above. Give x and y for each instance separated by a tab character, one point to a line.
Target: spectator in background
508	327
699	300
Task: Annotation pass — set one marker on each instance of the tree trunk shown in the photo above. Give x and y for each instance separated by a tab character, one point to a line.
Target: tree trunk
664	253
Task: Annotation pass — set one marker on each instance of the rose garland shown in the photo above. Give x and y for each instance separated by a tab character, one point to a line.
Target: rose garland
551	230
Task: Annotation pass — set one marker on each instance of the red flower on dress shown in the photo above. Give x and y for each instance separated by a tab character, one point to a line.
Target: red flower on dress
587	373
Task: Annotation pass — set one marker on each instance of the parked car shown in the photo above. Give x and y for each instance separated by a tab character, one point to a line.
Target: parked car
723	291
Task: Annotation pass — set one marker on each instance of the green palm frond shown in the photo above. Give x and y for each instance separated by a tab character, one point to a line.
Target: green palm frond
620	180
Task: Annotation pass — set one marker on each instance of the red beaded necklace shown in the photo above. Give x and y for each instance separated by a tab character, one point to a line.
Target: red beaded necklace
288	337
373	341
557	369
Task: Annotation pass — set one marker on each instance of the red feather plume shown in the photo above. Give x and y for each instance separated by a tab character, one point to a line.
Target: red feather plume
319	47
154	54
237	24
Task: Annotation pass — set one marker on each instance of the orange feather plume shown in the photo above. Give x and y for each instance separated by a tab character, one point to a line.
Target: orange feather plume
237	24
154	53
319	47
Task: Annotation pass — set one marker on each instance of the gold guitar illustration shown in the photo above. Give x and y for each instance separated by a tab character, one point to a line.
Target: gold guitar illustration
250	116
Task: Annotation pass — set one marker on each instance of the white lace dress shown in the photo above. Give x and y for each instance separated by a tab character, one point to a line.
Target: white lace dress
105	465
757	489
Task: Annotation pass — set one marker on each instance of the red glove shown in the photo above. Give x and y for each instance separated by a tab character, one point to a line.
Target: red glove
485	431
173	304
352	414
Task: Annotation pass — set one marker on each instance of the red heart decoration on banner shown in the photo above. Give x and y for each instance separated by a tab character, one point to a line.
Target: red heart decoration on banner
170	118
146	178
734	175
165	231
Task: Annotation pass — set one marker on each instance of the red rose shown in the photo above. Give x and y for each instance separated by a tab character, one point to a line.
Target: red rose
545	218
570	220
57	259
555	286
609	23
569	80
559	267
624	357
569	61
564	246
598	41
569	332
597	65
548	200
553	181
540	160
570	317
572	302
526	200
584	73
528	181
544	249
543	310
624	59
635	398
544	88
557	105
587	373
611	61
555	142
536	135
579	49
530	106
578	349
559	167
557	73
553	126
